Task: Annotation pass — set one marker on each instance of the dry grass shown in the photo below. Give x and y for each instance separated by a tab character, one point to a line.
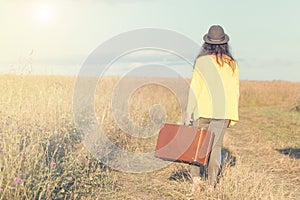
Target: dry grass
41	155
269	93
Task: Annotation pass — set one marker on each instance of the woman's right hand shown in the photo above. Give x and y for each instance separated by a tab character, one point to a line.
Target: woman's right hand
188	120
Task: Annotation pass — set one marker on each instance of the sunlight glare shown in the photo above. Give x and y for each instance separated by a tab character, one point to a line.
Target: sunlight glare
44	13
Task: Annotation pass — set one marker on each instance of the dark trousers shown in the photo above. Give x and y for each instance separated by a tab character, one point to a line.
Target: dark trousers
218	127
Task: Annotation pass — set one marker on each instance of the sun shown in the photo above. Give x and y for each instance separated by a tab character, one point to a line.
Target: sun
44	13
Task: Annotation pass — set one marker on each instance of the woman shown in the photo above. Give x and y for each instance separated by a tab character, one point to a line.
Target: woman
213	96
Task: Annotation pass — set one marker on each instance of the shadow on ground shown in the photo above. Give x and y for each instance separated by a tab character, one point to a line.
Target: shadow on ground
291	152
180	175
227	159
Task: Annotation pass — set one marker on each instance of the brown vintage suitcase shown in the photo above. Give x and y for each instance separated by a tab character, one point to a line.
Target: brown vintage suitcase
184	143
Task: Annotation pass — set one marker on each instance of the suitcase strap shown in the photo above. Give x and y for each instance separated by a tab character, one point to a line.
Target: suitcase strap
198	145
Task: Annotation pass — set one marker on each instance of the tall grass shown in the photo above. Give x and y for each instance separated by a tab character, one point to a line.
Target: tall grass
42	157
41	154
268	93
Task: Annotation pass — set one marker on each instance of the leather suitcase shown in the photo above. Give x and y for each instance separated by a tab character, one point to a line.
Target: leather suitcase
181	143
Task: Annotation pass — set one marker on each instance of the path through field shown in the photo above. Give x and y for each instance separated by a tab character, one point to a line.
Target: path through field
260	170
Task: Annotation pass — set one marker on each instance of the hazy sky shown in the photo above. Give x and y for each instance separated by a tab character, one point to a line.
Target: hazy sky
56	37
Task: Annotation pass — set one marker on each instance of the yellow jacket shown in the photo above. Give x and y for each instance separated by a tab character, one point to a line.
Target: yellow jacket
214	90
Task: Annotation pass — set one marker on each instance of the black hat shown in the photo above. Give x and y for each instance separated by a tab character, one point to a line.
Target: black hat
216	35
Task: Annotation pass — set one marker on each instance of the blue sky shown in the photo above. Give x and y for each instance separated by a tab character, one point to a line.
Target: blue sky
61	34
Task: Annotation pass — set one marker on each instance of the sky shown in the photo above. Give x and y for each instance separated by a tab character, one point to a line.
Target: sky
56	37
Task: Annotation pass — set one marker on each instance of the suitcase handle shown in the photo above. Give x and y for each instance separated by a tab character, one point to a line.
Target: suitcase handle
190	123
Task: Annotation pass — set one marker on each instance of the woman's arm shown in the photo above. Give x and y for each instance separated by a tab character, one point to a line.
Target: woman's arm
195	89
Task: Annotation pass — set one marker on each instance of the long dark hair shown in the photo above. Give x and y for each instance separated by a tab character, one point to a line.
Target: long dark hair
222	53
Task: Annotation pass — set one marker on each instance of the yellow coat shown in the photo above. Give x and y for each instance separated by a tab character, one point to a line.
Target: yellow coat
214	90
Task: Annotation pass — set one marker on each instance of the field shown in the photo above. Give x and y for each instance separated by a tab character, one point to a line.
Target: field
43	156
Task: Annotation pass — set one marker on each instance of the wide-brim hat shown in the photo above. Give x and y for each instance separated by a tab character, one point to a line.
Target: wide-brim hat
216	35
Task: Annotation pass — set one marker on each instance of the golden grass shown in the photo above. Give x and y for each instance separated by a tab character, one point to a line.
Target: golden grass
42	157
268	93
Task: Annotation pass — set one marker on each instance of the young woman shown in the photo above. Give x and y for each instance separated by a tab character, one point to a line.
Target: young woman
213	96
